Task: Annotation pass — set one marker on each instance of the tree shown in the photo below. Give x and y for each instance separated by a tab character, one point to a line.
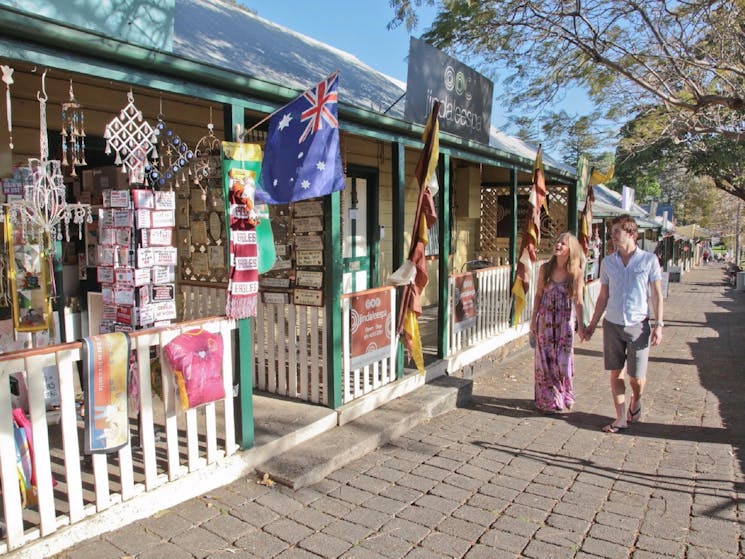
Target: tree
676	69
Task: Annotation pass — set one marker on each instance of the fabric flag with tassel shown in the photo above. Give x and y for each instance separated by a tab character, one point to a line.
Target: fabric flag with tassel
585	218
413	273
531	239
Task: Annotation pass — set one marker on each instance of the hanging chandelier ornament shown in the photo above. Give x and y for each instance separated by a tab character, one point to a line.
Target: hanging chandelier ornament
206	166
132	139
44	204
8	80
73	134
174	160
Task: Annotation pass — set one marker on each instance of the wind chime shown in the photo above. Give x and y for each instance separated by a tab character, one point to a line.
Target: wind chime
8	80
44	205
175	158
206	167
132	139
73	134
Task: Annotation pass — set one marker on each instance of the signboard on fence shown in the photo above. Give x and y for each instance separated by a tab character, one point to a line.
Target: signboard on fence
371	327
465	301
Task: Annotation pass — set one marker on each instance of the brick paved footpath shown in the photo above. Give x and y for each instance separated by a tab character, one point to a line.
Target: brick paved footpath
497	480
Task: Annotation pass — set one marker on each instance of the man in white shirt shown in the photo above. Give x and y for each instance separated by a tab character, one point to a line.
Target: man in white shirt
626	277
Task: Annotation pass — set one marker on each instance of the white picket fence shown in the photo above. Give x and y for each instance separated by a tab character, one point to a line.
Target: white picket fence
379	366
289	343
167	444
493	304
290	351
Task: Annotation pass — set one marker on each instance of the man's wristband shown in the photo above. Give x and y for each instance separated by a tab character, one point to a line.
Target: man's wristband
659	323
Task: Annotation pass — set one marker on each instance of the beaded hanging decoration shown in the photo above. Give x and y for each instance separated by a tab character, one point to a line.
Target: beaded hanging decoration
175	157
132	139
8	80
73	134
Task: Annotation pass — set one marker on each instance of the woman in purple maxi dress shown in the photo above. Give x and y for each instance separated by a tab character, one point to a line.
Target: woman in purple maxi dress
557	304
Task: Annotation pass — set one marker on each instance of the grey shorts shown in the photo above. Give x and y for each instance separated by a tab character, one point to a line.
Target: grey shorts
626	345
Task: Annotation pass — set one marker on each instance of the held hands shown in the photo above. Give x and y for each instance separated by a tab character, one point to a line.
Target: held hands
656	338
589	330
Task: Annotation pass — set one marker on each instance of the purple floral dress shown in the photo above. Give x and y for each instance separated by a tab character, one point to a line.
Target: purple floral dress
554	349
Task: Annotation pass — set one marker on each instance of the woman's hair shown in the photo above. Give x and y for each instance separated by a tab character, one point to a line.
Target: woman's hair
575	263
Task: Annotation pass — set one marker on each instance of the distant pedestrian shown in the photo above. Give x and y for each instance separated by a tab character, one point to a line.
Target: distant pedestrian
557	308
627	279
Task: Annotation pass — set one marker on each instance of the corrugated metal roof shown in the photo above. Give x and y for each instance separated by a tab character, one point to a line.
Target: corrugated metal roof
229	36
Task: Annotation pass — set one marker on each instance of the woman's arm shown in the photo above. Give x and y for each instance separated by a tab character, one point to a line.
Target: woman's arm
537	300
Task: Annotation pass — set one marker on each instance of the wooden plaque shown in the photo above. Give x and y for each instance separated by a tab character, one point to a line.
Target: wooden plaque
309	242
310	297
309	258
308	278
308	224
308	208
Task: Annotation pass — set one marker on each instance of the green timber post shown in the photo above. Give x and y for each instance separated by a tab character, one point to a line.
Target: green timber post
333	280
234	115
398	185
572	190
513	229
443	275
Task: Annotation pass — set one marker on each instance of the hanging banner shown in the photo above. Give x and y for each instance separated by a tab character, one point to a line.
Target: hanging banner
371	327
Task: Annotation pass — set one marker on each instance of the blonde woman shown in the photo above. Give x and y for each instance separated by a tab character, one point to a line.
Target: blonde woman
556	309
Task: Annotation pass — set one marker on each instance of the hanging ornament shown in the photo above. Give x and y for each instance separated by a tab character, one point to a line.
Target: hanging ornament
8	80
44	205
132	139
206	167
174	158
73	134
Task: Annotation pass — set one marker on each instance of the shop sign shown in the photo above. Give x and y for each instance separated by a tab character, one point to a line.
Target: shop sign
465	301
466	95
371	327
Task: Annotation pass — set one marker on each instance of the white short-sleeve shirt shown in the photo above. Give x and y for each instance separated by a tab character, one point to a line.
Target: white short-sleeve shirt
628	286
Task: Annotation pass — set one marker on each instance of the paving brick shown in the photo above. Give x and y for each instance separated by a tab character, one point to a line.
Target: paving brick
527	513
461	528
507	541
430	472
348	531
485	552
621	536
100	549
254	513
166	524
405	529
522	526
420	515
279	502
556	536
492	504
370	484
132	540
660	546
536	501
361	553
166	549
350	495
324	545
419	483
463	482
544	550
227	527
445	544
474	515
451	492
400	493
202	543
387	545
196	511
602	548
367	517
313	518
440	504
287	530
334	507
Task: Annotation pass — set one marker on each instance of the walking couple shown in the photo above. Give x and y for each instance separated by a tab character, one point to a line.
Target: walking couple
628	278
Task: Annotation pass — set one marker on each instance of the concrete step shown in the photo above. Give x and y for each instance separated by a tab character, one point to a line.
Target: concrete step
314	459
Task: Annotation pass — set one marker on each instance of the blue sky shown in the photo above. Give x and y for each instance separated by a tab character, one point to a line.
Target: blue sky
359	27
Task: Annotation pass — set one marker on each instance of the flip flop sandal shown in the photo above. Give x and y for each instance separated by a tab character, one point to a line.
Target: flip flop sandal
634	416
612	429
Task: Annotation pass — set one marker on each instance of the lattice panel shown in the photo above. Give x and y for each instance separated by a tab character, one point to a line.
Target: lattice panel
491	213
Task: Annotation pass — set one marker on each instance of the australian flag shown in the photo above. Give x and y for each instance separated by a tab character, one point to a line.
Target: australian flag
301	158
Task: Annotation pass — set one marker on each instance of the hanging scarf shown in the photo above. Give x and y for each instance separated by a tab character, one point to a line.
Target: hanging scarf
241	166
